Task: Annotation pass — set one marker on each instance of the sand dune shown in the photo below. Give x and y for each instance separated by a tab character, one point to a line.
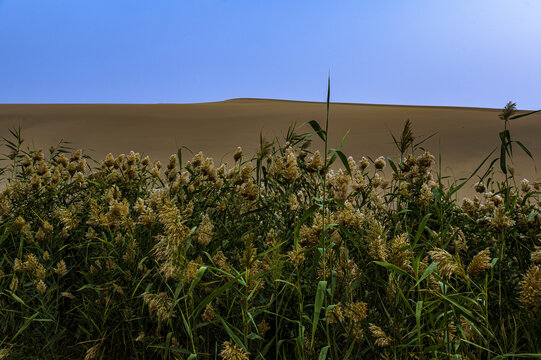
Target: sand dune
464	135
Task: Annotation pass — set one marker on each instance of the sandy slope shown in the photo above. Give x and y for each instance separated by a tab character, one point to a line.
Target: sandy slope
464	135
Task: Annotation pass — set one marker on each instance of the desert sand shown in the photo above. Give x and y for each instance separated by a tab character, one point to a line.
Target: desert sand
464	136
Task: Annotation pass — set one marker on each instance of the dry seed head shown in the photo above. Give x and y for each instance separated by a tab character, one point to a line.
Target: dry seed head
93	352
426	194
61	268
315	163
446	264
42	168
205	231
296	257
238	154
40	234
479	187
263	327
208	315
31	262
364	163
377	240
530	293
401	253
536	255
379	163
480	263
221	261
172	162
67	295
191	271
159	305
381	338
525	185
132	158
232	351
26	161
500	219
40	272
145	161
357	311
41	287
292	203
20	222
14	285
18	265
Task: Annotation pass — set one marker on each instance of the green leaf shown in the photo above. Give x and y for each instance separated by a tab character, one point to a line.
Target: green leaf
232	334
418	311
343	158
392	267
197	278
25	325
420	229
320	295
502	160
179	158
393	166
523	148
522	115
309	212
429	270
323	353
321	133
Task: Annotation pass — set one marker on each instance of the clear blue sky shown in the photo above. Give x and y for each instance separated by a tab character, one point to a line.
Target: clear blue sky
416	52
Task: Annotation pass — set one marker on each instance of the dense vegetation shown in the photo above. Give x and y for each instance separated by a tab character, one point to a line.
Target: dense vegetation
280	256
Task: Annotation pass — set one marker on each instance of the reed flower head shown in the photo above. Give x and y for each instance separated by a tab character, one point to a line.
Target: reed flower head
296	256
67	295
401	253
446	263
14	284
379	163
41	287
382	339
18	265
500	219
535	256
93	352
238	154
357	311
208	315
31	262
205	231
221	261
530	293
61	268
159	305
315	163
525	185
232	351
480	263
40	272
291	171
377	240
364	163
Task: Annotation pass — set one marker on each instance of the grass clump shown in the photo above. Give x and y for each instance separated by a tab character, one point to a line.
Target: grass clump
275	257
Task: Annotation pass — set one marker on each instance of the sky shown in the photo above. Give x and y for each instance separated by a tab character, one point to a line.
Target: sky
479	53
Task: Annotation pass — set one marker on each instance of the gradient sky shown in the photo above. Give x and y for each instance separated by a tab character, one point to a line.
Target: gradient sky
415	52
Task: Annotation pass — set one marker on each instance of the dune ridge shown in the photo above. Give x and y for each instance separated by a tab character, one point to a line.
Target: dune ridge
464	136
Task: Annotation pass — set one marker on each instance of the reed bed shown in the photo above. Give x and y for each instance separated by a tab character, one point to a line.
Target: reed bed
278	256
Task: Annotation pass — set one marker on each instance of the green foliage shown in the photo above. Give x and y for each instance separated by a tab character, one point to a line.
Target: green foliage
287	259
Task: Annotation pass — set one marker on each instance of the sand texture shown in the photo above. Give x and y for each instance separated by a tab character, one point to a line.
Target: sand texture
464	136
